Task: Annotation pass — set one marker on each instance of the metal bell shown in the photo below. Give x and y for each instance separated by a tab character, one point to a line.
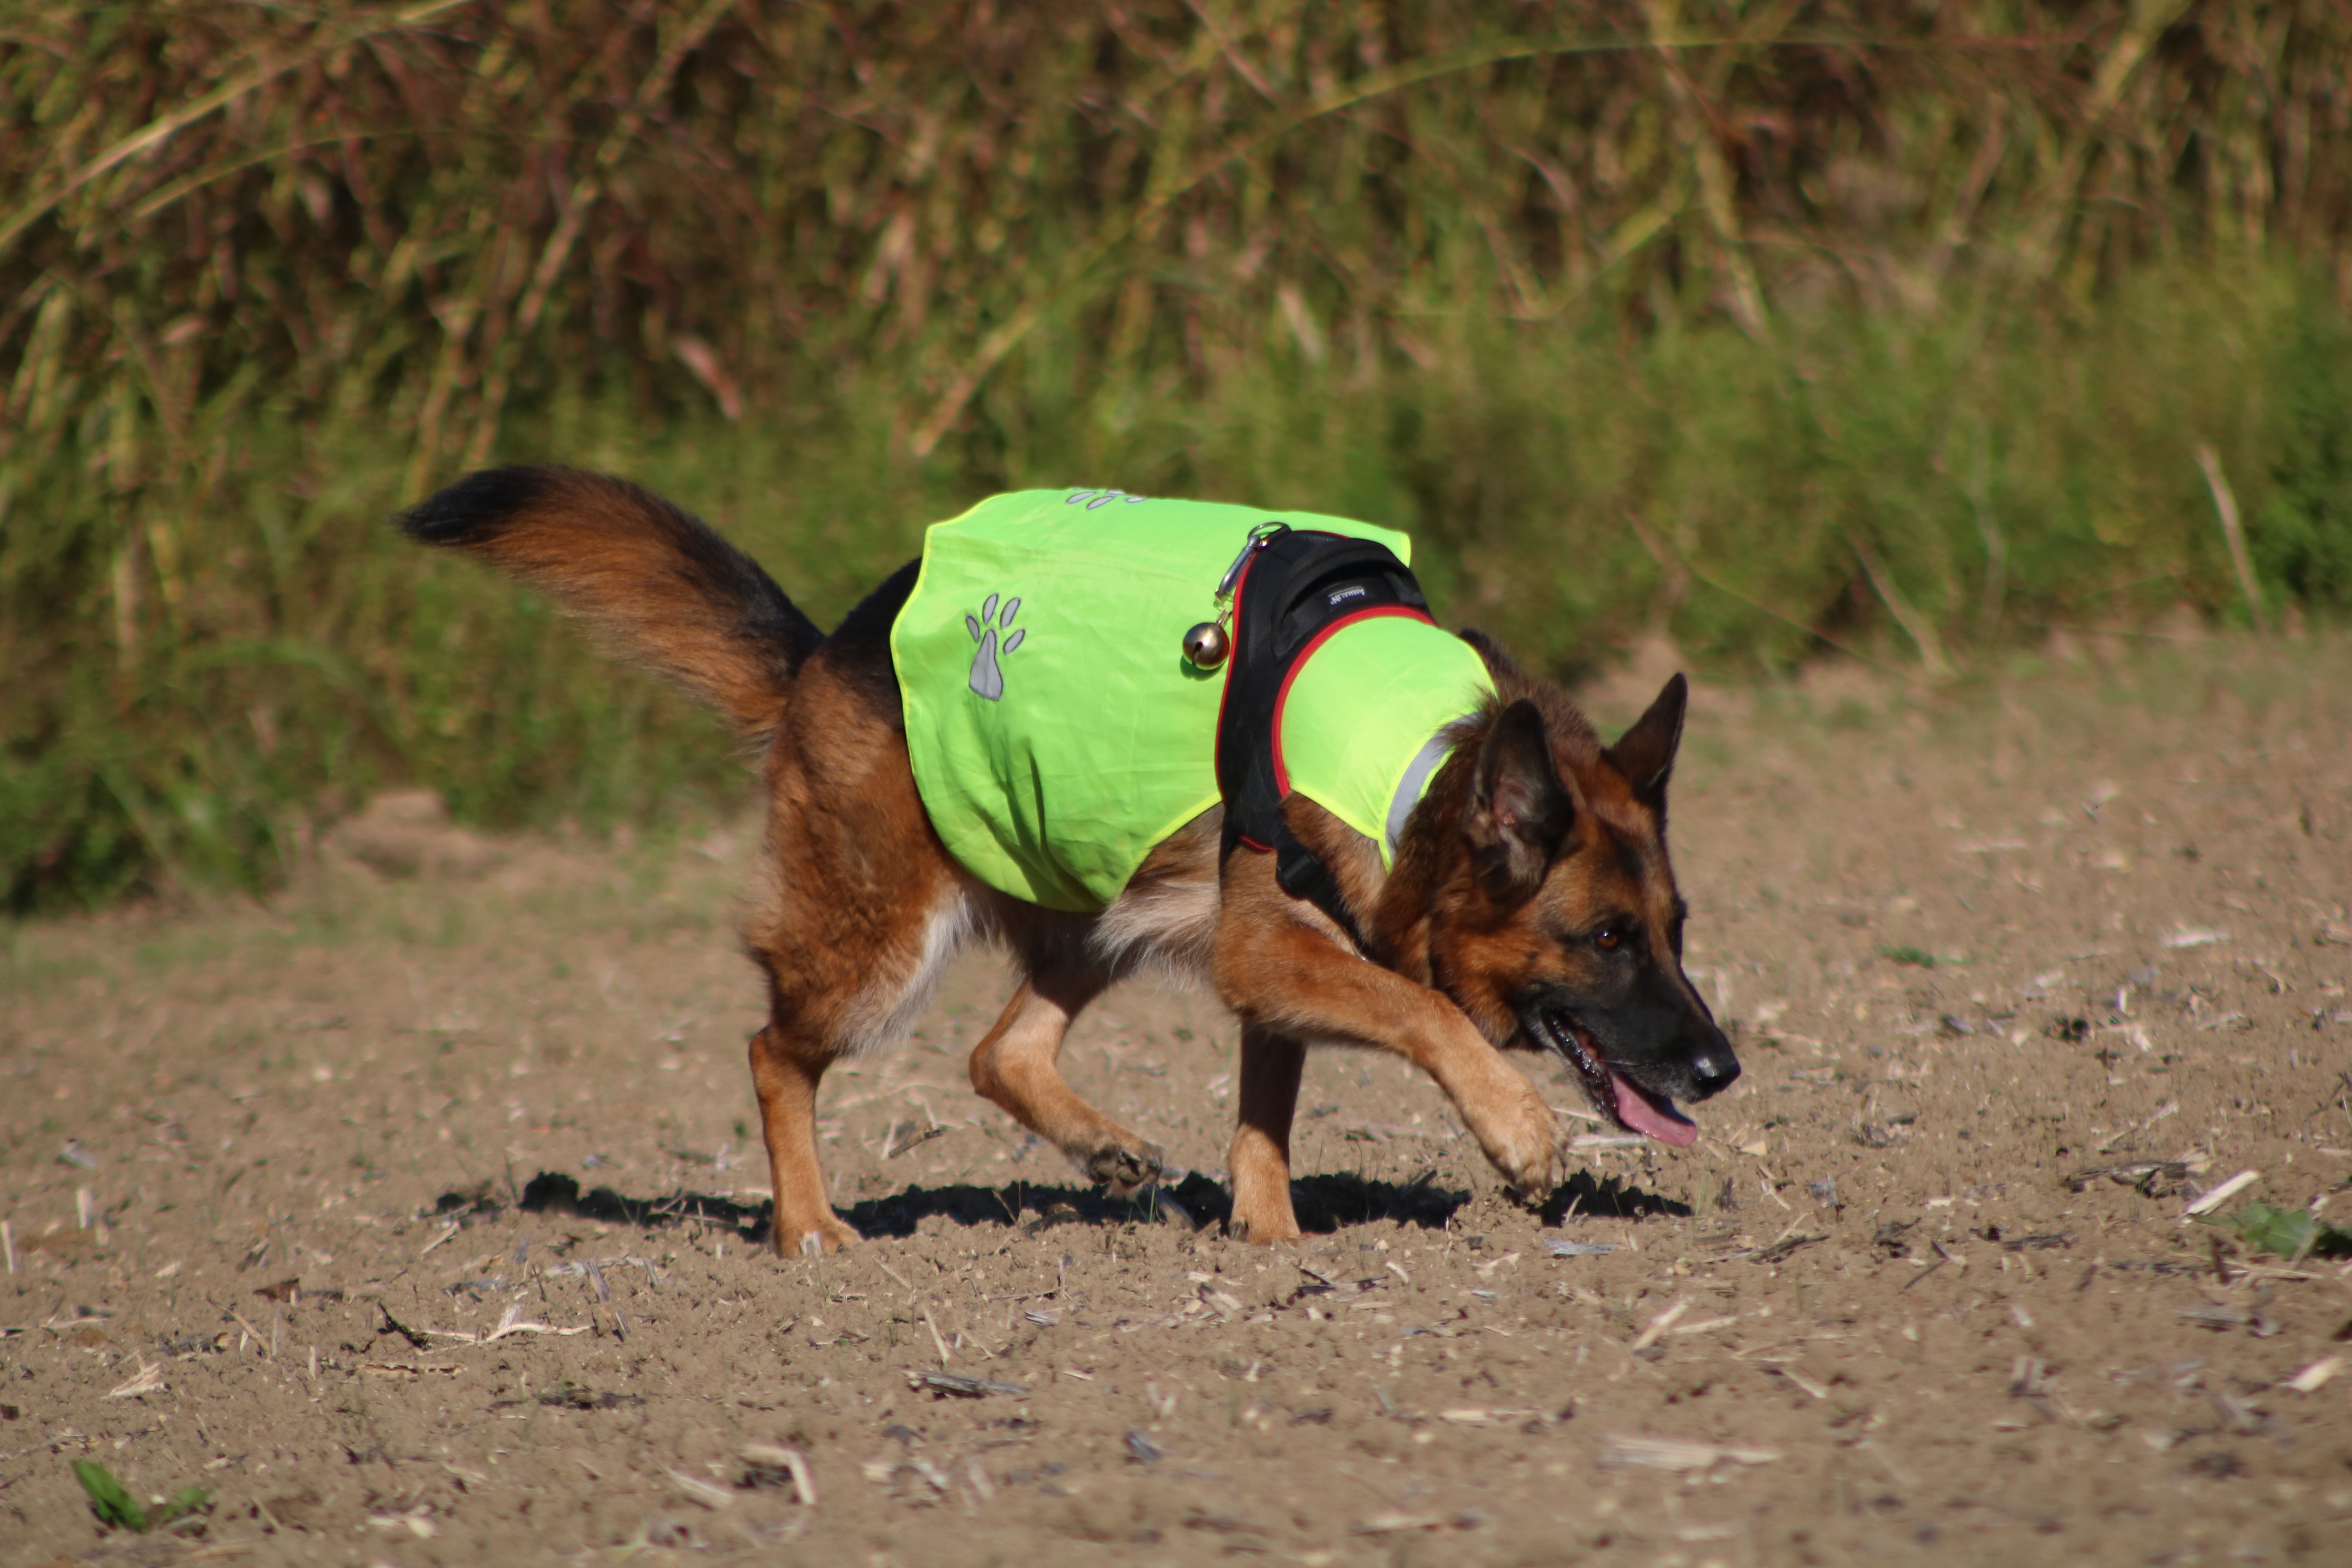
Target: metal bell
1206	645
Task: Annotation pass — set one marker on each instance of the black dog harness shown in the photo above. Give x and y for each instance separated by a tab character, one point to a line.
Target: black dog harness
1294	588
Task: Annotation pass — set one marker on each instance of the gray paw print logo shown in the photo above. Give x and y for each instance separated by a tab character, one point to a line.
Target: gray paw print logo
987	675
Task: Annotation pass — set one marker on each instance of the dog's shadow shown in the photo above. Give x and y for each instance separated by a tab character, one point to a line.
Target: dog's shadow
1581	1194
1324	1204
553	1192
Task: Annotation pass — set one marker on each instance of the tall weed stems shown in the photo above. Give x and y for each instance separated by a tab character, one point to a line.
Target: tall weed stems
1768	327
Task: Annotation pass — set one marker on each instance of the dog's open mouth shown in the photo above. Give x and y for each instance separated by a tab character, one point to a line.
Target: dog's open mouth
1614	1095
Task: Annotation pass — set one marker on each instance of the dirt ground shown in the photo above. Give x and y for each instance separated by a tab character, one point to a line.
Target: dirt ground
417	1215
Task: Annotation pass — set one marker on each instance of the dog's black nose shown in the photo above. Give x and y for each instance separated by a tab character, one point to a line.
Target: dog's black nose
1713	1071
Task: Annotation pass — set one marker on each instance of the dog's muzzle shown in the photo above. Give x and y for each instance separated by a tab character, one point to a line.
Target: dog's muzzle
1618	1096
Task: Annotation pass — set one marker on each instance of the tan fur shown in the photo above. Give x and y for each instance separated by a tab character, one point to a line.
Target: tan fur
860	905
604	550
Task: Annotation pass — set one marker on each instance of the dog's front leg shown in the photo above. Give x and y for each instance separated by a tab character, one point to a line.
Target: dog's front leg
1286	972
1259	1162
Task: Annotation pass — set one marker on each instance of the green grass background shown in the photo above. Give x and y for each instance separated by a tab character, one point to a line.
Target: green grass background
1771	329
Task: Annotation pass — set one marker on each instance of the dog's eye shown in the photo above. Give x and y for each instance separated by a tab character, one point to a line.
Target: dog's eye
1609	938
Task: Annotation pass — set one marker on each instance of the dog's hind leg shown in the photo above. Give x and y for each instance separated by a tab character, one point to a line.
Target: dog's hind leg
1016	1066
1259	1160
786	1081
846	989
1166	916
859	909
838	986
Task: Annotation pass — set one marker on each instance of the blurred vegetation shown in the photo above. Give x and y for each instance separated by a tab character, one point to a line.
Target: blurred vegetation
1768	326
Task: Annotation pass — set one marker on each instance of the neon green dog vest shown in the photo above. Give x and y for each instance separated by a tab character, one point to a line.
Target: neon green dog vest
1055	729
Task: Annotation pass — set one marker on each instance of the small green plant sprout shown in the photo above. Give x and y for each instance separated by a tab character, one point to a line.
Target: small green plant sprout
2291	1233
117	1510
1917	956
108	1499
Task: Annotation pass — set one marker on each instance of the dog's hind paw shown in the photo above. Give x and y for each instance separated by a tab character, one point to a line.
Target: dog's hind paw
1125	1170
828	1234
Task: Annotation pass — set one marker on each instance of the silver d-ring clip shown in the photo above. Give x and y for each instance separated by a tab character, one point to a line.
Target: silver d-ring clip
1209	643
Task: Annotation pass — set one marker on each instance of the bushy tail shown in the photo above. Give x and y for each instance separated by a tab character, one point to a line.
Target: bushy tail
653	580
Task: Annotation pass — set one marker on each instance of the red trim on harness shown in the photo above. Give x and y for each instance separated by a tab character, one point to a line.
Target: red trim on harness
1282	698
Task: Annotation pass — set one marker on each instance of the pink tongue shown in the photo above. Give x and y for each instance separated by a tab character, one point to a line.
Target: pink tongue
1659	1119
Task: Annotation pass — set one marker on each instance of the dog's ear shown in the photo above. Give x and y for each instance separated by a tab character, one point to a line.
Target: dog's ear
1519	811
1646	754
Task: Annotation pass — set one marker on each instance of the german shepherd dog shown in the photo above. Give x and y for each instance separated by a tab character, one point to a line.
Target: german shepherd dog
1529	902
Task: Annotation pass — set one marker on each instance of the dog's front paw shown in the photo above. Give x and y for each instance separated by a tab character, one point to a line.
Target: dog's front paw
1271	1232
1124	1170
1519	1135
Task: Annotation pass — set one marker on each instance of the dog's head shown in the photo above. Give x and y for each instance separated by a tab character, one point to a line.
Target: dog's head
1555	922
